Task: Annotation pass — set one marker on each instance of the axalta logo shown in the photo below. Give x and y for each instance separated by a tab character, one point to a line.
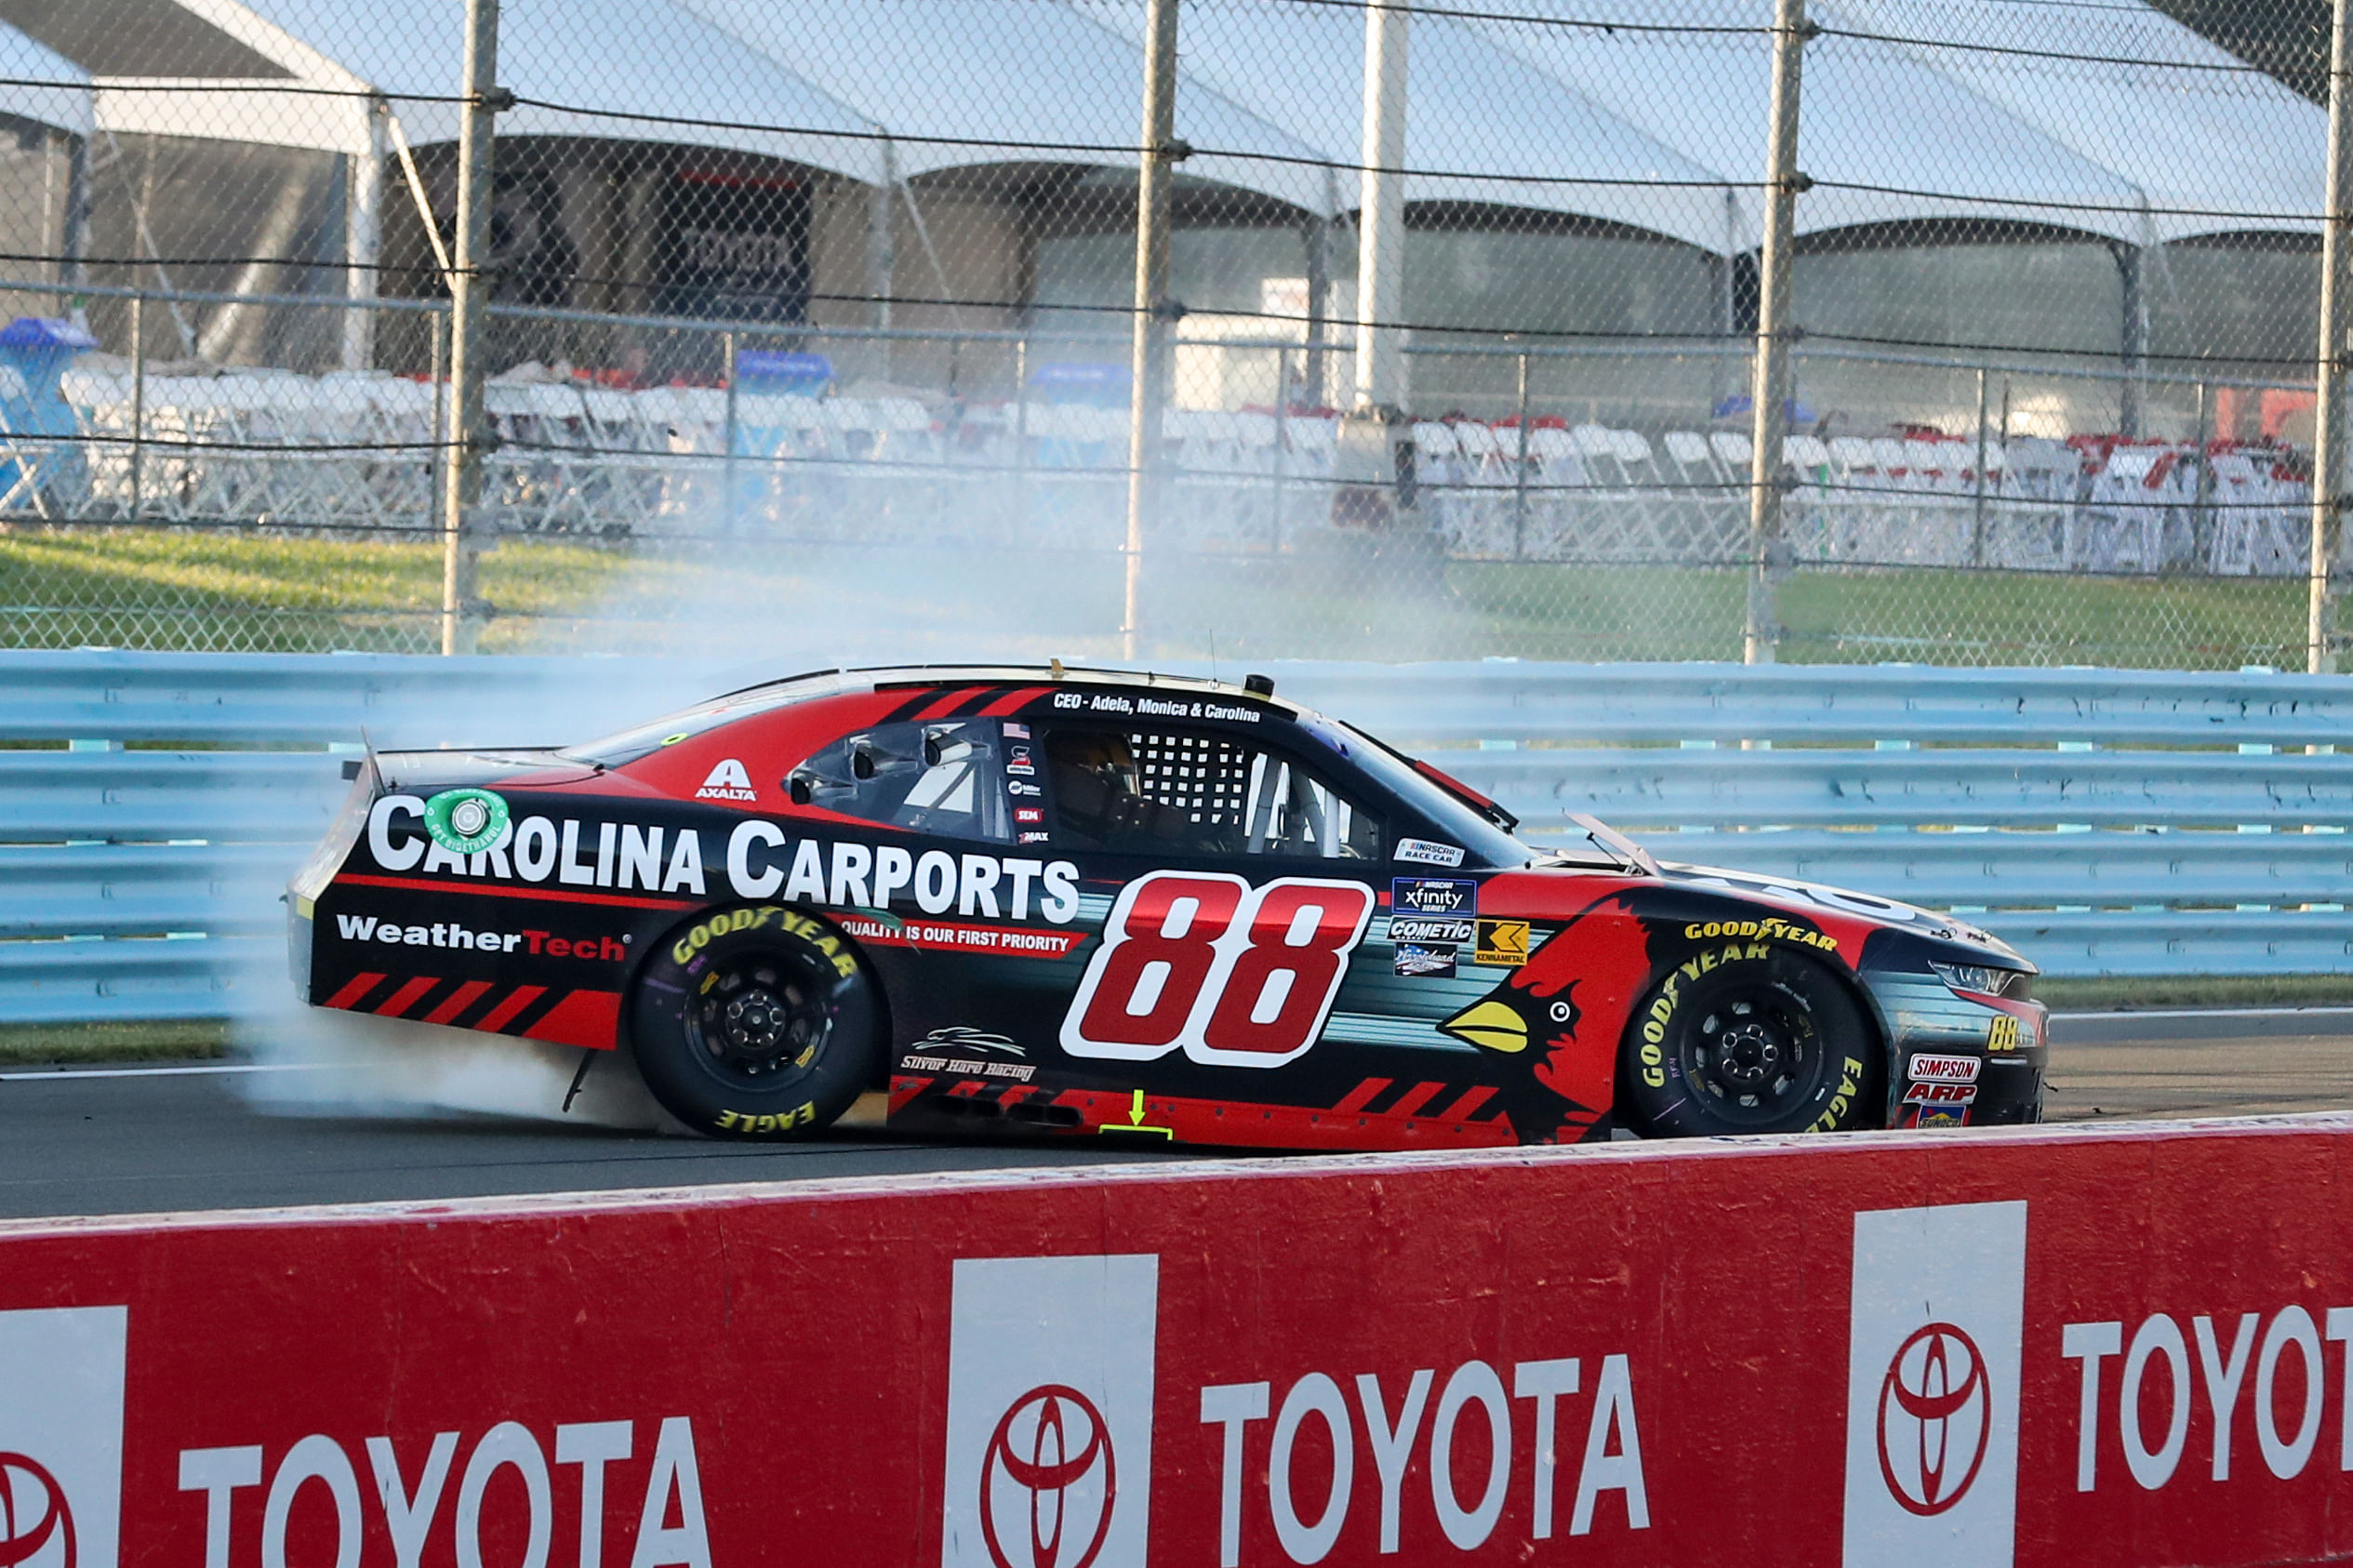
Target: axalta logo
429	1504
728	781
61	1436
1049	1457
1932	1376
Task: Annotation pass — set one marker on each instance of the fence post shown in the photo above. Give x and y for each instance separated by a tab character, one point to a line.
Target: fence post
1149	358
469	300
139	398
727	437
1769	389
1977	509
1520	483
2328	423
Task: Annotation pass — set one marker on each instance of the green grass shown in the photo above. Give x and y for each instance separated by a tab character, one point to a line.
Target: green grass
196	1038
243	592
2197	991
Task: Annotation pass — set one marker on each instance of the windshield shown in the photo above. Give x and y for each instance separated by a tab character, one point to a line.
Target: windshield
1481	840
623	747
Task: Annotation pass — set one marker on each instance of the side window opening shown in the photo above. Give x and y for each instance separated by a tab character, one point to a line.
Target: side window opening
939	778
1175	792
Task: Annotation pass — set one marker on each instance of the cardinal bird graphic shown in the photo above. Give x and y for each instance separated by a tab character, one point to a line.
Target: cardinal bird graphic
1551	1030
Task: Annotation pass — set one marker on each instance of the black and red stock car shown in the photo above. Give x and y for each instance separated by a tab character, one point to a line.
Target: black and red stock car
1095	903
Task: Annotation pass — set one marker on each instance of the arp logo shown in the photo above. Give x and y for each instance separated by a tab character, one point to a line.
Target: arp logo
1932	1393
1049	1459
61	1436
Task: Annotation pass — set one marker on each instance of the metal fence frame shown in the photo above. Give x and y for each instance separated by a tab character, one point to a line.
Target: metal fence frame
2107	822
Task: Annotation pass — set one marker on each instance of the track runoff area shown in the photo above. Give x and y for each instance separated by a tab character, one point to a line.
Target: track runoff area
2123	1339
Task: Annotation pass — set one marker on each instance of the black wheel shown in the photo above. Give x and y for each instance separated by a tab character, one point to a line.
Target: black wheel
1751	1038
756	1022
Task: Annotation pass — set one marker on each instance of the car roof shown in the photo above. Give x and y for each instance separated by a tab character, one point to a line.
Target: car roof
883	677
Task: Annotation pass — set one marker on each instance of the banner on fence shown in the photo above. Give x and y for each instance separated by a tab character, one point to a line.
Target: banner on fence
2052	1347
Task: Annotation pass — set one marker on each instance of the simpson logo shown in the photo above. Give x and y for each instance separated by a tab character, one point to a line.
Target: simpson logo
1932	1393
1049	1459
1926	1069
728	781
61	1436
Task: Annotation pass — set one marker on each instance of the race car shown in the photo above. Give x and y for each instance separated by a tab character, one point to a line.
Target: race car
1092	903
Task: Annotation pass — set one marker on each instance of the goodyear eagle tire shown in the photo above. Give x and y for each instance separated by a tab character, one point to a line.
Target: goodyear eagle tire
756	1022
1749	1038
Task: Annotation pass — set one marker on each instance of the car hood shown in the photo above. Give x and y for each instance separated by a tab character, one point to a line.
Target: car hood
518	766
1868	906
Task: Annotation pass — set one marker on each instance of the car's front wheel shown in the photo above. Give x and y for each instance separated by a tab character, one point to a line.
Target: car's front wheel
1757	1043
756	1022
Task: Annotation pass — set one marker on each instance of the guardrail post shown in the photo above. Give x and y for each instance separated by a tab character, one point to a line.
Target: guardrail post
2328	424
1770	388
469	308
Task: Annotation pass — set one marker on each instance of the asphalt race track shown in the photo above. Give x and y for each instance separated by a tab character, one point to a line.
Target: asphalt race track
153	1140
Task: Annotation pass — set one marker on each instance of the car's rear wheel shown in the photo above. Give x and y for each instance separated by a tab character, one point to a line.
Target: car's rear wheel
1756	1043
756	1022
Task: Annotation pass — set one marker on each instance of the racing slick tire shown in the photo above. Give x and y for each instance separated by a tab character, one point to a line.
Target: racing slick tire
1769	1043
758	1022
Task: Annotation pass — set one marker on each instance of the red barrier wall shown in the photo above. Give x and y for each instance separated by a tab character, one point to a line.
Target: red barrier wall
1877	1349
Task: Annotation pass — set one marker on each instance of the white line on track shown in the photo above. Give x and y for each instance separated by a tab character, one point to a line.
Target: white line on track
2124	1013
48	1073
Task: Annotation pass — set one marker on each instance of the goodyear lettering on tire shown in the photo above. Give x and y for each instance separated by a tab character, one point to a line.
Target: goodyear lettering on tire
728	922
1850	1083
1770	929
801	1115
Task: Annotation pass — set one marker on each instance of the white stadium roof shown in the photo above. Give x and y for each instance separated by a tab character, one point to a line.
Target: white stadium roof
1612	120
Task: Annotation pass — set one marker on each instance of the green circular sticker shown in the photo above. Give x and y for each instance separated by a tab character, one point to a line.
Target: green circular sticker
465	821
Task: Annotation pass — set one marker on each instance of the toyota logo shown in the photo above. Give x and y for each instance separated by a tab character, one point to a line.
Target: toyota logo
1936	1411
1050	1455
32	1512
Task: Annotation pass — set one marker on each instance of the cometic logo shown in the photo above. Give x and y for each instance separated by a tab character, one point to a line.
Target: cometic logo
1934	1415
33	1510
1050	1468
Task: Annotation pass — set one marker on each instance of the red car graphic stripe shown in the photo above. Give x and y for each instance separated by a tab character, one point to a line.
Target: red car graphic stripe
583	1018
357	987
1362	1096
1461	1109
516	1001
409	993
552	895
1420	1096
457	1002
1014	701
948	703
